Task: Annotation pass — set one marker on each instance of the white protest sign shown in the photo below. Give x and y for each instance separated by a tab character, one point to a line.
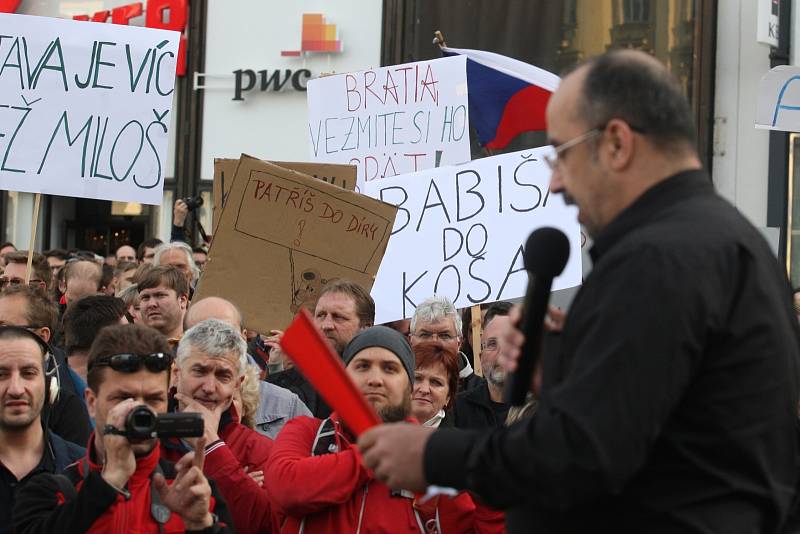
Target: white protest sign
85	107
779	100
391	120
460	232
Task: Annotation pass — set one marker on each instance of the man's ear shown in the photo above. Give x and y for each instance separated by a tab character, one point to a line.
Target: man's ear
184	301
91	402
44	333
174	376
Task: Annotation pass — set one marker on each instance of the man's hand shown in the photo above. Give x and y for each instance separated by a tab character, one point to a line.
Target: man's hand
210	417
119	463
395	453
189	496
179	212
257	476
276	354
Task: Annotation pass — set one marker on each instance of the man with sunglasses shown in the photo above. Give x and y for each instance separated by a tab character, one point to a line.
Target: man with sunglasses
26	446
122	485
209	367
671	405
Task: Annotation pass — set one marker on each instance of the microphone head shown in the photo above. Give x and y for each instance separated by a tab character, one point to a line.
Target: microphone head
546	252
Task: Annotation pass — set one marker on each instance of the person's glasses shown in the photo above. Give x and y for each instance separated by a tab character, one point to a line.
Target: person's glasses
6	281
490	346
560	151
441	336
131	363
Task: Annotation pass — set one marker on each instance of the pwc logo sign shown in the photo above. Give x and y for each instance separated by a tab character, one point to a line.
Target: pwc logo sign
317	36
163	14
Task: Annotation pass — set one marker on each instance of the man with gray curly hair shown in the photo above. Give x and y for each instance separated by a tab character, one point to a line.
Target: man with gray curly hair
437	318
210	366
179	255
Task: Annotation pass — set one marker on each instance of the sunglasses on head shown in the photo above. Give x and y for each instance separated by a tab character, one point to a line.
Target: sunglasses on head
131	363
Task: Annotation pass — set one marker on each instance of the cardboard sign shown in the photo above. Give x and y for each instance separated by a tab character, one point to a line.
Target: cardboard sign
465	227
391	120
282	235
343	176
85	108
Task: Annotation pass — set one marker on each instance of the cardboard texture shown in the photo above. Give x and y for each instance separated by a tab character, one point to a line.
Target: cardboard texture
343	176
282	235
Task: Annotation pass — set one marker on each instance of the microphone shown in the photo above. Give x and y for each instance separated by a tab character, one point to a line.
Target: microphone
546	254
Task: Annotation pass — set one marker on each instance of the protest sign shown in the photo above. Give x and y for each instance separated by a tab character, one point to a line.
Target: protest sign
391	120
343	176
460	232
282	235
778	106
85	107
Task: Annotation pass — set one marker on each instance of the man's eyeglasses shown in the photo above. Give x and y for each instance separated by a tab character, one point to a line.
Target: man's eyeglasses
441	336
6	281
560	151
131	363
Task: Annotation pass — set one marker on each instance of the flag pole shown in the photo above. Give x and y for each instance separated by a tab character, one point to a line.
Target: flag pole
34	222
476	319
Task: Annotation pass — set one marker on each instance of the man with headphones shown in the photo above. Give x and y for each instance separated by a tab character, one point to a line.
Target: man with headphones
26	447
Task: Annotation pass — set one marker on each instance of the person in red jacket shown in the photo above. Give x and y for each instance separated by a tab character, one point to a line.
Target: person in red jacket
323	485
121	485
210	366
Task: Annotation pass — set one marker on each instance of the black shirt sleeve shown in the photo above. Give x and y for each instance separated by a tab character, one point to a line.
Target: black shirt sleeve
69	419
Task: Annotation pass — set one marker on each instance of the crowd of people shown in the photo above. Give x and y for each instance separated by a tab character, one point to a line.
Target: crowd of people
666	400
82	344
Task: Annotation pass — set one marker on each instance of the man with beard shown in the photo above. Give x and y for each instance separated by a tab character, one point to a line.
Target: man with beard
323	485
343	309
121	481
483	406
26	447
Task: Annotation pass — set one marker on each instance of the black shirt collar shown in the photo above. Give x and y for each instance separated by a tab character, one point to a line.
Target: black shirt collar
659	197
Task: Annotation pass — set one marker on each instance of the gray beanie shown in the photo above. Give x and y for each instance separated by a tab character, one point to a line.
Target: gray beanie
384	337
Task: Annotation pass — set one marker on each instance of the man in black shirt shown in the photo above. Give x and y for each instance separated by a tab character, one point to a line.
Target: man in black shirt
672	404
26	446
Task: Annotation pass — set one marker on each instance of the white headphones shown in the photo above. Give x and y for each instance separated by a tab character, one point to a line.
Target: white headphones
51	378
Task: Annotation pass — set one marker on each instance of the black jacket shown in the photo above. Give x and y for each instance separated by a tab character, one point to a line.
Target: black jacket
57	455
474	409
674	402
295	382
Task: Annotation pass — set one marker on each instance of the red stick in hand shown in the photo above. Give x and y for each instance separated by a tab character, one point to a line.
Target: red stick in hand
321	366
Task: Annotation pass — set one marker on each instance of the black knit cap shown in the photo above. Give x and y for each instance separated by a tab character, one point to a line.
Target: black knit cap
384	337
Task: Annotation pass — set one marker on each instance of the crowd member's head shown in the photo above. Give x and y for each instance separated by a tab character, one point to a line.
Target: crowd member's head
125	253
17	266
211	364
130	296
83	320
29	308
123	275
107	282
437	318
5	248
23	381
495	323
200	256
343	309
163	298
401	325
628	126
246	397
56	258
381	363
214	308
179	255
81	277
435	380
146	250
127	362
110	261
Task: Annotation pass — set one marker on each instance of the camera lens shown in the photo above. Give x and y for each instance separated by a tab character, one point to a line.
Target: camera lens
140	423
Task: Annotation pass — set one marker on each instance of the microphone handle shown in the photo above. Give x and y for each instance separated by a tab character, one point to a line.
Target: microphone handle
532	325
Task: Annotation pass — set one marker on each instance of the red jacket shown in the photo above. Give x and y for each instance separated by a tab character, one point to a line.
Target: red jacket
239	447
336	493
82	501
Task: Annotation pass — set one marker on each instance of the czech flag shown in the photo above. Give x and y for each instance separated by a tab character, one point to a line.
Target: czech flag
506	96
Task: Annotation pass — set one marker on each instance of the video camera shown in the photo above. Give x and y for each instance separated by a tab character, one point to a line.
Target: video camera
142	423
192	203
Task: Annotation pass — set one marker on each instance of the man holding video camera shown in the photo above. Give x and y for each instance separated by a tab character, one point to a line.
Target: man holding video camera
122	484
